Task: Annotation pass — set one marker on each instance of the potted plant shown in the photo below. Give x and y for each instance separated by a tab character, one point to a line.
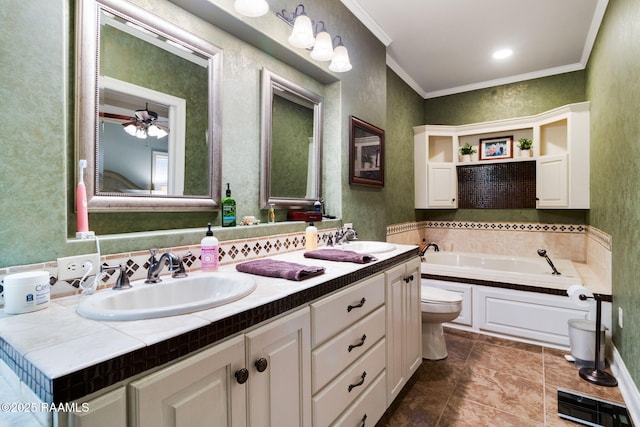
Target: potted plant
466	151
525	145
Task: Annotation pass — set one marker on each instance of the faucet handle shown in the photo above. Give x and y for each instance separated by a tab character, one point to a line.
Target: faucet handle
153	252
122	282
180	271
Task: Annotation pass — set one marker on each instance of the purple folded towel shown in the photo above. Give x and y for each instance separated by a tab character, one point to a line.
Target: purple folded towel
282	269
340	255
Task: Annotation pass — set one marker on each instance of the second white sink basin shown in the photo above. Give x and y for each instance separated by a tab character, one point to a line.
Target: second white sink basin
198	291
367	247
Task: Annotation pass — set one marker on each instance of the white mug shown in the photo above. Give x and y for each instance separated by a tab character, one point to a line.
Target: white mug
26	291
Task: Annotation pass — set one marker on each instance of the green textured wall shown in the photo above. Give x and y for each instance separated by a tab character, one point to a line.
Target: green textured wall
614	90
404	111
503	102
506	101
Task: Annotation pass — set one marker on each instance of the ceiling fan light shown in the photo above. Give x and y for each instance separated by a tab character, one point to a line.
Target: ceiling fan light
302	33
340	62
323	47
130	128
251	8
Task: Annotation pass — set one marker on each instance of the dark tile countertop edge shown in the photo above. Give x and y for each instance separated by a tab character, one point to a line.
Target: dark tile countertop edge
504	285
104	374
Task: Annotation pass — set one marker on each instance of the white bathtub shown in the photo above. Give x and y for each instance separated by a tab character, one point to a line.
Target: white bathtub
531	271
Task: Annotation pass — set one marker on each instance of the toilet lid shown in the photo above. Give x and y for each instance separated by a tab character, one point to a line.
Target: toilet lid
437	295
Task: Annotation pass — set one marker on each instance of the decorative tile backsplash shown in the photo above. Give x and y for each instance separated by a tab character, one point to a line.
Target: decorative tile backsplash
137	263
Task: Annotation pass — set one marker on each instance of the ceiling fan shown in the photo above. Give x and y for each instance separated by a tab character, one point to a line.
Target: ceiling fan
144	123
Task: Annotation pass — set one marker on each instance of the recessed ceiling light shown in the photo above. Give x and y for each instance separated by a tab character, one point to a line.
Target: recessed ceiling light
502	53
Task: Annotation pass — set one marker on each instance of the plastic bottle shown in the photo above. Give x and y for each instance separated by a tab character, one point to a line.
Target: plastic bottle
228	210
272	213
311	237
209	251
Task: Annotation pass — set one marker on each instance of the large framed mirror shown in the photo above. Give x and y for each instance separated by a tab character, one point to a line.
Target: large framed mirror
148	111
291	144
366	153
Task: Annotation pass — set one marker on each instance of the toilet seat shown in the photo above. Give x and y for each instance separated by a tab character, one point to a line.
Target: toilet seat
436	300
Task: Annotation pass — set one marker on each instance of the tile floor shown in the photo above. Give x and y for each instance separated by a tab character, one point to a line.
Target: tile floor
489	381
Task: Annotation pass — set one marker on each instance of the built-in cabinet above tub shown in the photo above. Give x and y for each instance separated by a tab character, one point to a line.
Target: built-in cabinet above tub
560	151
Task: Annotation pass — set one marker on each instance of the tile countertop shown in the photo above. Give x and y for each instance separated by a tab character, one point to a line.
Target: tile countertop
58	342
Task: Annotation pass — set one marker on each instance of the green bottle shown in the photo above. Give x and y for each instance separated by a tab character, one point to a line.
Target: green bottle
228	210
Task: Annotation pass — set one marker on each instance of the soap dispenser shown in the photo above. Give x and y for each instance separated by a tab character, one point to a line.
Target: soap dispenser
209	251
311	237
228	210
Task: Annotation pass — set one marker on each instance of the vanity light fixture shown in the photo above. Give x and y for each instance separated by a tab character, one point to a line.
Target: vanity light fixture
251	8
144	123
340	62
323	46
302	37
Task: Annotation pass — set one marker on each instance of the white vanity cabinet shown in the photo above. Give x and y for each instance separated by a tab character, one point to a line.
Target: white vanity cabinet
257	379
348	355
404	325
561	142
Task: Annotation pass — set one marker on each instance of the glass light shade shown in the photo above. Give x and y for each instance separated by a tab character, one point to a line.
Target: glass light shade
340	62
156	131
251	8
302	34
323	48
141	133
131	129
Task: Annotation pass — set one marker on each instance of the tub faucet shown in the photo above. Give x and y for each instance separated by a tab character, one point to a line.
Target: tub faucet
424	247
543	254
156	265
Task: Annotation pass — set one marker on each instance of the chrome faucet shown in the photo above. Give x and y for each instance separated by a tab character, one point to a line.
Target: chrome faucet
344	235
155	266
543	254
123	279
424	247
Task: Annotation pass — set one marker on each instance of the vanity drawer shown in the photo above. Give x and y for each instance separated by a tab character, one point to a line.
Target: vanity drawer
368	408
336	397
337	312
335	355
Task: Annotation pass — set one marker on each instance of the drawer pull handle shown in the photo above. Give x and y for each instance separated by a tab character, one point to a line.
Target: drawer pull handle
359	383
351	307
361	343
242	375
261	364
408	279
364	418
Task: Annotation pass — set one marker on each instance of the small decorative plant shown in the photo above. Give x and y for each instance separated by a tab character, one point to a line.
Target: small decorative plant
467	149
525	144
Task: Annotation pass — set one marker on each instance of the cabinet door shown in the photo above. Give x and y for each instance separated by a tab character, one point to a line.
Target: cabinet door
442	185
104	411
551	182
279	363
199	391
404	325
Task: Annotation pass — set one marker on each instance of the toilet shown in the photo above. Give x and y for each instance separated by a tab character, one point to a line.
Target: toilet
438	306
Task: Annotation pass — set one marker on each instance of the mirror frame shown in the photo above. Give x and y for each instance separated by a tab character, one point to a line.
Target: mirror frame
271	82
355	124
87	106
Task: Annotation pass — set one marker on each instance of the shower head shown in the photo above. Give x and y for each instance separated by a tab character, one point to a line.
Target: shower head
542	252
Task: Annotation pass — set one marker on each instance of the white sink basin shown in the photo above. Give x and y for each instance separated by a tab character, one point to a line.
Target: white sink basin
367	247
198	291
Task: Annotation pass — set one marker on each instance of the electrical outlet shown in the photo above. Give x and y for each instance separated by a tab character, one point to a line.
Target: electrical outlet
74	267
620	317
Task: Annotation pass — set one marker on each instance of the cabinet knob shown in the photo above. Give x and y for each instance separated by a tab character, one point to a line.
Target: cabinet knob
351	307
261	364
362	421
408	279
242	375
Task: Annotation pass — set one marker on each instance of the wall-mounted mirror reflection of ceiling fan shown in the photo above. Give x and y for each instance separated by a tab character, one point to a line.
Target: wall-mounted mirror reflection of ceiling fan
143	124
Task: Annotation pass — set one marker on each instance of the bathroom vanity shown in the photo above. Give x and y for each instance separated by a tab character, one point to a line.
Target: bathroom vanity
335	348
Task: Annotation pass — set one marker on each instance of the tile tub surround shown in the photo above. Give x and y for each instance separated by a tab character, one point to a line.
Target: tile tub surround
62	356
587	247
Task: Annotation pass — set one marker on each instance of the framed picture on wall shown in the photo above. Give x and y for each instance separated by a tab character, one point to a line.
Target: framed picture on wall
496	148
